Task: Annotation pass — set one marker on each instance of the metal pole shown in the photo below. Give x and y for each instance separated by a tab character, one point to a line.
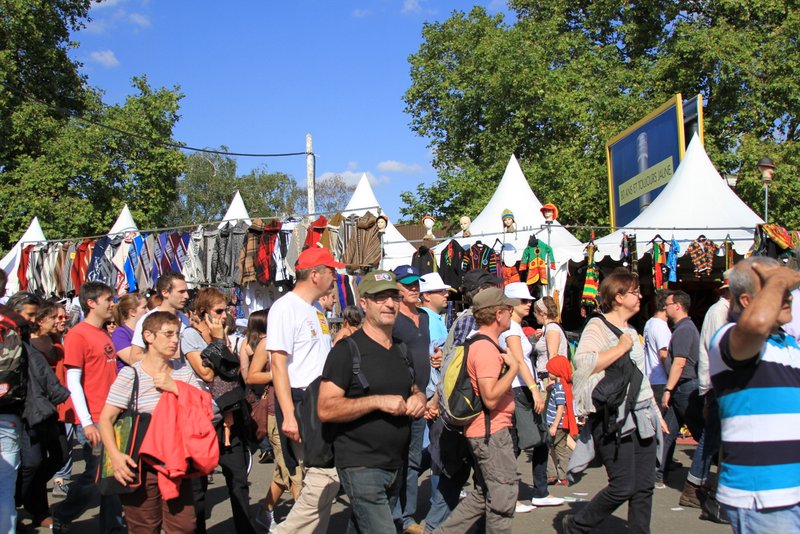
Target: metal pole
547	264
310	174
766	202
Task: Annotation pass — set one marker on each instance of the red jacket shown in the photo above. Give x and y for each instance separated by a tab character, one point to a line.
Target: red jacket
181	438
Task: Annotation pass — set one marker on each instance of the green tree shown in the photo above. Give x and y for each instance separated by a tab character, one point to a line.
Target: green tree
205	189
566	76
332	194
269	194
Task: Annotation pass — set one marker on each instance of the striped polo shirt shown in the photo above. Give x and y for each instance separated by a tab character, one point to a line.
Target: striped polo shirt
759	406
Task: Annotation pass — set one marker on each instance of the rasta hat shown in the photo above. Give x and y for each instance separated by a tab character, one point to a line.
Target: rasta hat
507	213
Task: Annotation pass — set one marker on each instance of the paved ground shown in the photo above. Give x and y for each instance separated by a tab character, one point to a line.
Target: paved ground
667	515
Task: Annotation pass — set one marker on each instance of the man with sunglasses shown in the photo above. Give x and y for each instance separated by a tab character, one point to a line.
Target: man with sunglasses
681	396
174	293
412	328
372	426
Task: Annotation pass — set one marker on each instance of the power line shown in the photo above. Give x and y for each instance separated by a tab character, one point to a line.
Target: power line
152	140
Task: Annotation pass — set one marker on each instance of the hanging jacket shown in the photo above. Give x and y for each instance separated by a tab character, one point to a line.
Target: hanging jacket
80	267
424	261
262	261
479	256
193	267
315	231
672	260
592	281
510	274
248	253
534	263
66	270
450	264
365	248
330	235
702	252
144	251
295	247
22	269
181	435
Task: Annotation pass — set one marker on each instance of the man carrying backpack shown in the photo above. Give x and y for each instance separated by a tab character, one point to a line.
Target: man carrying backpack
371	408
491	372
13	378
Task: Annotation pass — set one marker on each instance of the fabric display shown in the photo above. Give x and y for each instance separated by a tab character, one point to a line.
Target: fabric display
773	240
227	256
535	259
727	247
592	282
510	274
629	253
424	261
672	260
702	251
479	256
450	262
660	269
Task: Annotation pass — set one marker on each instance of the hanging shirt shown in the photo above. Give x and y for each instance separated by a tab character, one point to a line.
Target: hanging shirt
672	260
450	264
534	263
702	252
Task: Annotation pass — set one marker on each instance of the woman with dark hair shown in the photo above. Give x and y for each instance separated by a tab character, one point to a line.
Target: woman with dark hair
629	455
261	373
352	322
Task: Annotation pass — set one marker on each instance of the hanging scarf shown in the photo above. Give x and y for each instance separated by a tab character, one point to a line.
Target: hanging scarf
659	266
728	246
592	282
559	366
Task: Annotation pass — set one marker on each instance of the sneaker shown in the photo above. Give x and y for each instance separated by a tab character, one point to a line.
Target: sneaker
660	484
266	457
462	495
564	482
548	501
60	489
523	508
264	519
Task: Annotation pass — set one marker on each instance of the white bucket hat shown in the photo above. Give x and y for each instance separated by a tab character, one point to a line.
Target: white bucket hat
518	290
432	282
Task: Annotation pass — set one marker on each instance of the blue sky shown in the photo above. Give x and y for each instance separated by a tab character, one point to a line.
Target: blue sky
259	75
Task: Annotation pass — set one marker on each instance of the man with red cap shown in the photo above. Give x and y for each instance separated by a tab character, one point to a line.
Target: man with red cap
299	341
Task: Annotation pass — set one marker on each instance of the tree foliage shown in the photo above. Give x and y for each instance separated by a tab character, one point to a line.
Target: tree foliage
332	194
64	155
566	76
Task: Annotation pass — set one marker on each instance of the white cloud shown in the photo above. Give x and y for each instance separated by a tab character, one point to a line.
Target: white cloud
352	177
411	6
361	13
142	21
106	58
398	166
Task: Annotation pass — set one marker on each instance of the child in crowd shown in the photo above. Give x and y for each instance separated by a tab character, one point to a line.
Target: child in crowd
560	416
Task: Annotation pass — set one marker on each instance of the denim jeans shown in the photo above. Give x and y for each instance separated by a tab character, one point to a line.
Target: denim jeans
445	497
708	445
752	521
685	407
10	426
406	506
81	492
373	494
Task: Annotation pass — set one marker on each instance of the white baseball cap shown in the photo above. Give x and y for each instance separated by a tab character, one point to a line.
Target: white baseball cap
432	282
518	290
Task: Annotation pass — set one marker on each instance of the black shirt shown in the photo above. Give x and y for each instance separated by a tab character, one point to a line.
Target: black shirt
685	343
418	341
376	439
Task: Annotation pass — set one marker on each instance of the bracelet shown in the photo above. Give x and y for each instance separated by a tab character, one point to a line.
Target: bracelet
667	390
533	387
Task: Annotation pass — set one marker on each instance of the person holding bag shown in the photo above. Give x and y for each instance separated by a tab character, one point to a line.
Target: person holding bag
156	372
624	433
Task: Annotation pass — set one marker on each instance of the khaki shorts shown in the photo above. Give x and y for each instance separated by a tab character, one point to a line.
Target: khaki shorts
280	474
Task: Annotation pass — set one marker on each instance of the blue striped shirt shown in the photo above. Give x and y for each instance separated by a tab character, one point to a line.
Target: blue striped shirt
759	406
555	399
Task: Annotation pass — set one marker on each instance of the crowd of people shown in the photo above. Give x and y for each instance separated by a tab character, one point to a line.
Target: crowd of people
367	412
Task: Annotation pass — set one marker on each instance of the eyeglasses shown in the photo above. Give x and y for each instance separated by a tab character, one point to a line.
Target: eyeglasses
218	311
381	298
637	292
169	334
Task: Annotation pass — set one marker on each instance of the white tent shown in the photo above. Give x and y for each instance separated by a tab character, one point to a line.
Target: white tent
515	194
124	223
397	250
696	199
236	211
10	262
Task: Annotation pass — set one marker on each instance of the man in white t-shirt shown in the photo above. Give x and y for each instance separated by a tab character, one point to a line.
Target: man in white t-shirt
174	293
656	343
299	341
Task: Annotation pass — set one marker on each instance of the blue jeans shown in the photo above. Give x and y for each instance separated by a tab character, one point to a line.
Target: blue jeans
10	426
709	443
445	497
82	490
373	494
752	521
406	507
685	407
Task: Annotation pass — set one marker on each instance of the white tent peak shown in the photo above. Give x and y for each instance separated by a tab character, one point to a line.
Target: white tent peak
124	224
236	211
10	261
696	198
363	198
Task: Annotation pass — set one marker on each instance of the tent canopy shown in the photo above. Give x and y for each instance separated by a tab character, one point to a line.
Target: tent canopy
696	198
124	223
397	250
10	262
515	194
236	211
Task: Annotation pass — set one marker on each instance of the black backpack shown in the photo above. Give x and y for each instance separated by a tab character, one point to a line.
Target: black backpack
13	361
619	387
318	436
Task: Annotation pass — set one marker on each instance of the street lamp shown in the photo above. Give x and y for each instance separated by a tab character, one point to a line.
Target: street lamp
767	168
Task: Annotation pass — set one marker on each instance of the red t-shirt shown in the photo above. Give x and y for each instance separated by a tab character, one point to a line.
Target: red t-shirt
485	361
66	412
90	348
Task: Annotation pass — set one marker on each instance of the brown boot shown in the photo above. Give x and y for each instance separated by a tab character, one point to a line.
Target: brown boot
690	497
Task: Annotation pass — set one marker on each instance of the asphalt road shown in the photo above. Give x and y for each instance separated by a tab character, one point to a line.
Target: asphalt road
667	515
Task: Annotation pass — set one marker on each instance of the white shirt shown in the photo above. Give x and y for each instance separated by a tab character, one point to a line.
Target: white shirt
542	356
516	330
656	337
301	331
716	317
137	338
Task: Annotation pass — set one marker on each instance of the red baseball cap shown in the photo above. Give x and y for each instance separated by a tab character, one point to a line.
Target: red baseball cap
314	256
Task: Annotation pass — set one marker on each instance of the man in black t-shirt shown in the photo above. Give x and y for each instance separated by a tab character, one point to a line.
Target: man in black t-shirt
681	396
372	427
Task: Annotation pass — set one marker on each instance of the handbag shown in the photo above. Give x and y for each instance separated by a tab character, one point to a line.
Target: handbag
129	432
531	427
259	414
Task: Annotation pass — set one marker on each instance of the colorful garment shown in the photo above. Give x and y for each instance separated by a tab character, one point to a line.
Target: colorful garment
479	256
727	245
424	261
672	260
660	270
702	251
629	253
589	295
450	263
510	274
535	259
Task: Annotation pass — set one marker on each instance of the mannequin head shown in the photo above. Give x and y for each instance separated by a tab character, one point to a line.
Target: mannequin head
381	223
508	221
464	223
428	222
